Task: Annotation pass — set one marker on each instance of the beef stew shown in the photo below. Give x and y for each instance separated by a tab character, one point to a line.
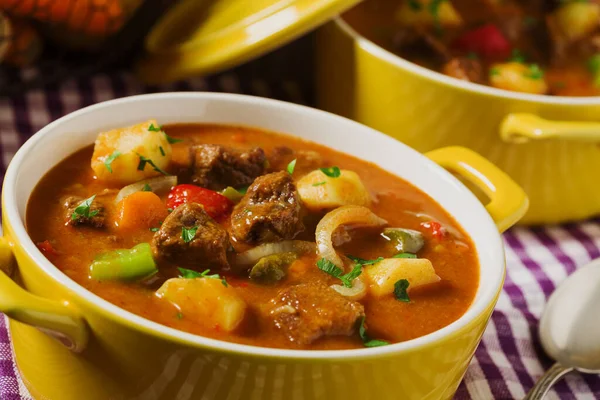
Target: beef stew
307	249
539	47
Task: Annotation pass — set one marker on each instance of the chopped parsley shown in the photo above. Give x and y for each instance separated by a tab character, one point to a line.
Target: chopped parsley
153	128
517	56
434	9
144	161
172	140
170	209
291	166
243	190
405	255
400	288
330	268
415	5
162	151
362	261
534	72
188	234
593	64
332	172
156	229
319	183
495	71
367	341
352	275
191	274
83	210
146	188
179	315
110	159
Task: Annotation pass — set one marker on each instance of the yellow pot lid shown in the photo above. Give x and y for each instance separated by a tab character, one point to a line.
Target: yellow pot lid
198	37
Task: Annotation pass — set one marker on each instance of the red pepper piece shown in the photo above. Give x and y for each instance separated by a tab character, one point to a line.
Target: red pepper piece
215	204
486	41
46	248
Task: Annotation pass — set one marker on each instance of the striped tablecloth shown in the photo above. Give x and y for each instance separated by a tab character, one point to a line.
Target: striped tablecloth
509	359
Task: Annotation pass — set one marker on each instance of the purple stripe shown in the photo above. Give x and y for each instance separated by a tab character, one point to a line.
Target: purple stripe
54	102
10	396
462	393
118	85
585	240
6	366
540	276
492	373
553	247
508	345
85	92
23	126
517	297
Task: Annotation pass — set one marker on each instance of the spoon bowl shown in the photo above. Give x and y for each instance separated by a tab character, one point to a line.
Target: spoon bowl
570	325
570	328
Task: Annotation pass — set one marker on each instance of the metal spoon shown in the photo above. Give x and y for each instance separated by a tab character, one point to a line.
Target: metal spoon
570	328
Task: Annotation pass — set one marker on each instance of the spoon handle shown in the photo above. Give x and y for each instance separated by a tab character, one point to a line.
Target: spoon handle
542	386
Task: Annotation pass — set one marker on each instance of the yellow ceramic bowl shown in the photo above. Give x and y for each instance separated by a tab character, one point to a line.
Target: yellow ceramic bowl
556	163
104	352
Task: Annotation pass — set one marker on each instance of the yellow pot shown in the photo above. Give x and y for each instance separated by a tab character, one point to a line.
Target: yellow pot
557	163
105	352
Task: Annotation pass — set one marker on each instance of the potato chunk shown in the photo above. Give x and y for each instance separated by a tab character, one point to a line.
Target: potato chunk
117	153
383	275
319	191
518	77
576	20
205	300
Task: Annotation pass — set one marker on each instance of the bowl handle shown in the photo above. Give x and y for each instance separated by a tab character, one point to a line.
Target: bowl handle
508	202
56	318
522	128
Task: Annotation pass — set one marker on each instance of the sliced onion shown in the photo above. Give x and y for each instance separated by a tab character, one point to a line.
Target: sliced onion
158	185
252	256
356	292
345	215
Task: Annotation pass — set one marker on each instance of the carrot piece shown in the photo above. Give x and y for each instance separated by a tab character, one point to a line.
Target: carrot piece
46	248
140	210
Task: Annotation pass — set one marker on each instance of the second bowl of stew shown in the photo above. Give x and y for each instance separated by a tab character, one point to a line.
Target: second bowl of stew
515	81
236	247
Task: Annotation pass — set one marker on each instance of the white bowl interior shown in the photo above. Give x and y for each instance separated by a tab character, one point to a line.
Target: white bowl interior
66	135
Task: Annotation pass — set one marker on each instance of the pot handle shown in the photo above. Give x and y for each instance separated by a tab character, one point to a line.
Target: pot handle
56	318
508	202
522	128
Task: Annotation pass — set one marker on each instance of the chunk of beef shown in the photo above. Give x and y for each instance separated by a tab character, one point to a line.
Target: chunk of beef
308	311
464	69
96	218
569	42
216	167
207	247
270	211
306	160
438	48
